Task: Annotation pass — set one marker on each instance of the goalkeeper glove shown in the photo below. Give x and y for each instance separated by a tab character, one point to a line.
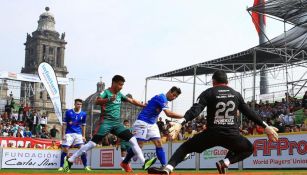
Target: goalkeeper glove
271	132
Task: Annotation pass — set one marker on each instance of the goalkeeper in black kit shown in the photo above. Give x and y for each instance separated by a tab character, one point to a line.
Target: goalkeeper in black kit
222	103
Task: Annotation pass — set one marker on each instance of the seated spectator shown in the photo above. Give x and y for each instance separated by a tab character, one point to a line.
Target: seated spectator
251	128
10	145
199	128
15	127
296	128
287	129
6	130
14	117
288	119
243	131
54	131
38	146
18	133
259	130
189	133
112	140
53	145
165	136
160	124
27	132
44	133
43	120
4	116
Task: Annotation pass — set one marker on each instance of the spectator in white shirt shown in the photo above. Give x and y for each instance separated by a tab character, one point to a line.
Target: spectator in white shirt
43	120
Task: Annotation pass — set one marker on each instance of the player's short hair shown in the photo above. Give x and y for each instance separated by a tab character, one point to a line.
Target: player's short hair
78	100
126	121
118	78
220	76
176	89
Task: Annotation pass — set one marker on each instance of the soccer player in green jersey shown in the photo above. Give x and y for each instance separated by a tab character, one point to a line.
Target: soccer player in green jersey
111	100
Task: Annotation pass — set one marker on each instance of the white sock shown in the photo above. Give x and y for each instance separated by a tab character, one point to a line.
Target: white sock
83	149
227	162
137	150
170	167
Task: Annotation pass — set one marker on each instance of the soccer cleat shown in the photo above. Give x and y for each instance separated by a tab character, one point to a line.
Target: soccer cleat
161	170
126	167
149	162
67	164
60	169
221	167
88	168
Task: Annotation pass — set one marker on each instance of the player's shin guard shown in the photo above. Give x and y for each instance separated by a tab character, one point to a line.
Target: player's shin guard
136	149
63	155
84	159
129	155
161	155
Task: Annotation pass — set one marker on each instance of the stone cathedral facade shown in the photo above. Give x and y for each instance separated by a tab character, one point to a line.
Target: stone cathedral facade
45	44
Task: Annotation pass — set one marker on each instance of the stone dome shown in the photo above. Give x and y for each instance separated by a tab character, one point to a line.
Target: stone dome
46	21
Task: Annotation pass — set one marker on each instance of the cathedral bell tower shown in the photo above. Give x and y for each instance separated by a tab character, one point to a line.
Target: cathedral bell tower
44	45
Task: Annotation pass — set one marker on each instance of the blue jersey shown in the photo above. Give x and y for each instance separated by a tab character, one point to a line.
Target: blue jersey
150	113
74	121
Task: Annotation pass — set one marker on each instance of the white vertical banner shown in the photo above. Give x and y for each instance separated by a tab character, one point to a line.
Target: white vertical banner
48	78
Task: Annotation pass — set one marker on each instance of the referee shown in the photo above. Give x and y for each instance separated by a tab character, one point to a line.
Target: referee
222	103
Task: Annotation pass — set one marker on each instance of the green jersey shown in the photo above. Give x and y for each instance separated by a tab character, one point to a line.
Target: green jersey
112	108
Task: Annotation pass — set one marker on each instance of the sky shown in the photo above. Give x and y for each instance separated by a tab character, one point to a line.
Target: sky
133	38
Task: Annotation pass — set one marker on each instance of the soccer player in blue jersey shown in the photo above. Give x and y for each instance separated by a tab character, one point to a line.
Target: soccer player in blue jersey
74	127
145	127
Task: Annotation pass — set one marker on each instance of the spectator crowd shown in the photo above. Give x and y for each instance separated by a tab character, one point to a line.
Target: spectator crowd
26	123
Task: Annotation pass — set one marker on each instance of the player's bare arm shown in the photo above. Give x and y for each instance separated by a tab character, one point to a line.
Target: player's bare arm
172	114
102	101
135	102
192	113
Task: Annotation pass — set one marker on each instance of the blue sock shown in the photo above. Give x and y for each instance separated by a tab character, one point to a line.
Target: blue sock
62	158
129	156
161	155
84	159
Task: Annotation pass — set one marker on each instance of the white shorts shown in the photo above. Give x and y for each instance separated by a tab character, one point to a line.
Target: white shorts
145	131
72	139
